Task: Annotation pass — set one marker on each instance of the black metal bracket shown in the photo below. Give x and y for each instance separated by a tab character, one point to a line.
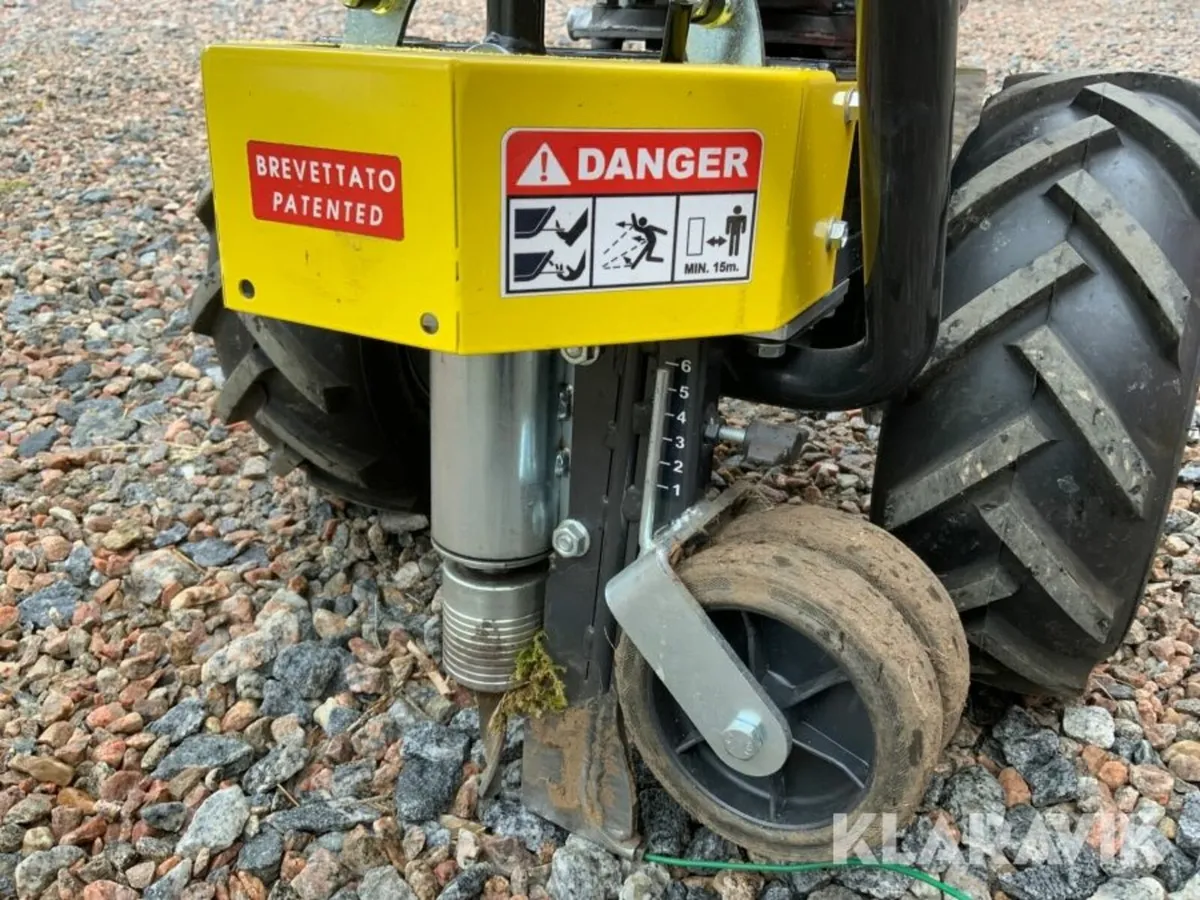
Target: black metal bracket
905	130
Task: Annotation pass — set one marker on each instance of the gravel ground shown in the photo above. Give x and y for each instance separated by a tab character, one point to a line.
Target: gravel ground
209	678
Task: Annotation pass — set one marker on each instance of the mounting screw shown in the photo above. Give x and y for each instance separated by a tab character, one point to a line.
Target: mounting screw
849	101
562	463
580	356
837	234
768	349
571	539
566	402
743	737
429	323
731	434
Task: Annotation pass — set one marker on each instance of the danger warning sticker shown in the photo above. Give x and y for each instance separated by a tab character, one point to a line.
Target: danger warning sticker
338	190
601	210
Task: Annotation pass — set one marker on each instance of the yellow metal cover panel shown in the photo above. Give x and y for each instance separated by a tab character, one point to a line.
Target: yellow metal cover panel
484	203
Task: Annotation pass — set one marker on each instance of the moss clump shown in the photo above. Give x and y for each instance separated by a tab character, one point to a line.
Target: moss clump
539	687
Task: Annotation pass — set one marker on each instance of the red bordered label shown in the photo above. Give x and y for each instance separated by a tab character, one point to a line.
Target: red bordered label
335	190
615	209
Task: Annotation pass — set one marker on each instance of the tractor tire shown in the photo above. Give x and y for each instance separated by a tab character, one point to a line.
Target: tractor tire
352	412
1032	462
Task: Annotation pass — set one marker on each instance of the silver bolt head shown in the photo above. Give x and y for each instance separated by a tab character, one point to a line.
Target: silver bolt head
570	539
837	234
850	106
768	349
580	356
743	737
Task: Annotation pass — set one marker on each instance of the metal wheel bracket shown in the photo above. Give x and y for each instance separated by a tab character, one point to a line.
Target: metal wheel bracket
691	657
377	25
735	39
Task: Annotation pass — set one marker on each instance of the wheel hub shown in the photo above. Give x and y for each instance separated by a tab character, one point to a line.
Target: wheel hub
831	762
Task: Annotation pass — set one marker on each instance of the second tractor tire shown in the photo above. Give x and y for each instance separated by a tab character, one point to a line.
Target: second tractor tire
352	412
1032	462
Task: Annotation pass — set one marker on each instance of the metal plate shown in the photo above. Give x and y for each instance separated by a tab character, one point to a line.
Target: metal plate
686	651
576	773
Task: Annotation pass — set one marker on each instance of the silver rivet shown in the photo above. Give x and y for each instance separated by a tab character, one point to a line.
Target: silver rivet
429	323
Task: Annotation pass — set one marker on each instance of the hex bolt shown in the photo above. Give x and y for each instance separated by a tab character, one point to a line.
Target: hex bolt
768	349
743	737
717	430
580	356
837	234
571	539
850	105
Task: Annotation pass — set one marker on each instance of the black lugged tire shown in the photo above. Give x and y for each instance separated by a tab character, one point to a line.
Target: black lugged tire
1032	462
352	412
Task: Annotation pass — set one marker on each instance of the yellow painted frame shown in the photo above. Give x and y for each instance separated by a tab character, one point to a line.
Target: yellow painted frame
445	115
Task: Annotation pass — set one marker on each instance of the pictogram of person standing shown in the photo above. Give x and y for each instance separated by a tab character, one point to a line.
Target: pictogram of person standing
735	227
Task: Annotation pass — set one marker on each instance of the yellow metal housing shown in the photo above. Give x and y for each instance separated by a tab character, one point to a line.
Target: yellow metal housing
435	278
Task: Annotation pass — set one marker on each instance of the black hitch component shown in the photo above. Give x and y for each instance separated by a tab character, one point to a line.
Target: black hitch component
906	67
576	770
611	410
519	26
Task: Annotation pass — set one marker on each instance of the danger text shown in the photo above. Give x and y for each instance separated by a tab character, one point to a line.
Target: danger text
679	164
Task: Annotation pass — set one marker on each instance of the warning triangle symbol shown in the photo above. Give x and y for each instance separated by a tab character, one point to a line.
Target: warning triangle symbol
544	170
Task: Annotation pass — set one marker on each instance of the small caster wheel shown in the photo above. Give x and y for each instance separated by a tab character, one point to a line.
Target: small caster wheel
889	567
854	683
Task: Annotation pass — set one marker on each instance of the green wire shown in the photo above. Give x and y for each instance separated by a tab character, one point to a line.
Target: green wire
807	867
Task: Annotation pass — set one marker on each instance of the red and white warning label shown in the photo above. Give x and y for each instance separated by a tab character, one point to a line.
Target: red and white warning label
603	210
338	190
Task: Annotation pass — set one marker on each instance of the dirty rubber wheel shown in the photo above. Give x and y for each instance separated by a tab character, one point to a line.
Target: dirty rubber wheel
1032	462
352	412
889	567
850	676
